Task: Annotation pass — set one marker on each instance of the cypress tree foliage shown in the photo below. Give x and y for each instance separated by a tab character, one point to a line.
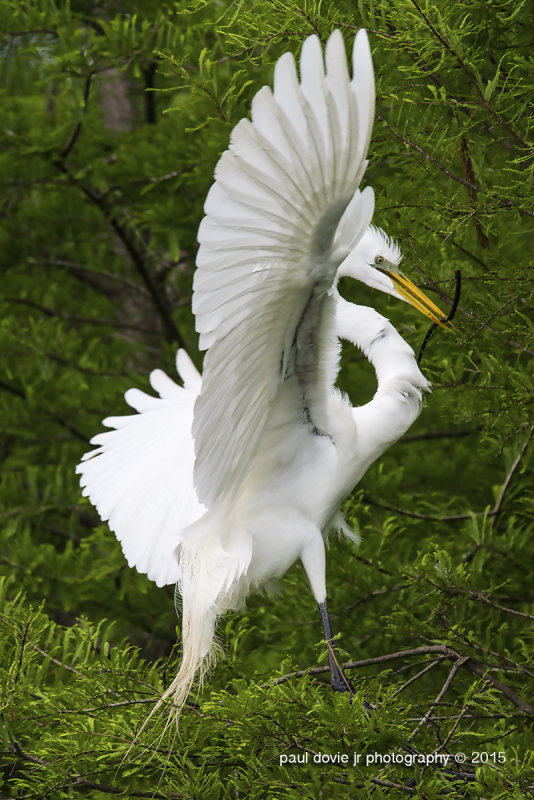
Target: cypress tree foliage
113	120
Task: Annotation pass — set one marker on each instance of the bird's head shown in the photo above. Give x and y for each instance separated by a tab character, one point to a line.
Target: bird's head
375	261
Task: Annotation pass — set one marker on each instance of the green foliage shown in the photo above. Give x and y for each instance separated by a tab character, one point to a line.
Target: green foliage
113	120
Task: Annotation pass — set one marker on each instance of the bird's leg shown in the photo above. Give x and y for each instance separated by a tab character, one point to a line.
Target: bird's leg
338	679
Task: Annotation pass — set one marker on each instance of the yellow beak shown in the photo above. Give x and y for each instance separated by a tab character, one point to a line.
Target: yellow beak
417	298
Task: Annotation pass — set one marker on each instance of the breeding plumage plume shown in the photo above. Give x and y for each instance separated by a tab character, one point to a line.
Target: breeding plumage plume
223	483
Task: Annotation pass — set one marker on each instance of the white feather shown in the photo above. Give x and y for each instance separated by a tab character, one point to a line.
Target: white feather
141	476
300	151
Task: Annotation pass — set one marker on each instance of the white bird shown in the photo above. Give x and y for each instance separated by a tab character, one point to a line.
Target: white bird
224	483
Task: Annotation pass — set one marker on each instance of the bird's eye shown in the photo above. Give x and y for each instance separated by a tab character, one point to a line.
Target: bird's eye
379	259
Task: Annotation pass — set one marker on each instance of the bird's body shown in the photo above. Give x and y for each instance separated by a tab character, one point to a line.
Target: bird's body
222	484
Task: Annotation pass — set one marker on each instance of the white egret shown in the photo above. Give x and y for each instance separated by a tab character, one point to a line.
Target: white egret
224	483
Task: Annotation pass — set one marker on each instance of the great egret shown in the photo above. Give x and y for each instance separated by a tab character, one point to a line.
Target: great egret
222	484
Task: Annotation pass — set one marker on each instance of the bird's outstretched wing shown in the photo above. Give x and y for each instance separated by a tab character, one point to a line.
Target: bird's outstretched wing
283	212
140	476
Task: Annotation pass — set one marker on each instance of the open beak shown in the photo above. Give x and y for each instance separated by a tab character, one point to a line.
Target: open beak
417	299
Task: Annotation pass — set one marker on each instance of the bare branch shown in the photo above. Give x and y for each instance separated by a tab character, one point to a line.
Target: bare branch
429	517
50	312
149	74
418	675
478	669
22	394
55	660
77	128
100	280
470	176
450	677
487	601
440	649
498	505
452	434
158	298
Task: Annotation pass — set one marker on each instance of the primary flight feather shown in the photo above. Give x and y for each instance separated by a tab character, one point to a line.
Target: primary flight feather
222	484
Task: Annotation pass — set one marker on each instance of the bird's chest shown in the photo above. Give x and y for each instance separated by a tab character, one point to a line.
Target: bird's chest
307	477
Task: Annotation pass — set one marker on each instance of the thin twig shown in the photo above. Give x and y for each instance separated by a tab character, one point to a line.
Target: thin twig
453	434
56	661
21	655
472	79
466	661
427	517
470	176
487	601
486	323
452	312
416	677
77	128
504	201
452	731
450	677
50	312
498	505
22	394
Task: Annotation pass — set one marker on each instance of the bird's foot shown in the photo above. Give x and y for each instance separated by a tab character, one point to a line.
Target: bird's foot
339	681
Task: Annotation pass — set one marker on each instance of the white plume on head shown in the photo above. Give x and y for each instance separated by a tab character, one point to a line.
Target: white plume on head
376	242
362	264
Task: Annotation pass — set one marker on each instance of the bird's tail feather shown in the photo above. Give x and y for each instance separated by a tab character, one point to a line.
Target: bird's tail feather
208	574
199	652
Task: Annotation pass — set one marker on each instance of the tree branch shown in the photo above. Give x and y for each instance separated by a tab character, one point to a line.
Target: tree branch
452	434
470	176
159	300
99	280
77	128
498	504
428	517
465	661
488	602
22	394
450	677
470	77
149	74
50	312
504	201
79	780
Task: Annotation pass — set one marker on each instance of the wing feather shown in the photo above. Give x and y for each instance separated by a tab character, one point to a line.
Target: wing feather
267	258
363	82
140	476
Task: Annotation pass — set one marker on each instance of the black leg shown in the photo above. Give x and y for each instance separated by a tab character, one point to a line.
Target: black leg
338	679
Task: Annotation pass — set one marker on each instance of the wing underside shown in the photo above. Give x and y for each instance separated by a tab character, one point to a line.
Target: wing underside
269	249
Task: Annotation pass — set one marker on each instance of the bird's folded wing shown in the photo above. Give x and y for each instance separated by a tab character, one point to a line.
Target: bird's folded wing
288	180
140	477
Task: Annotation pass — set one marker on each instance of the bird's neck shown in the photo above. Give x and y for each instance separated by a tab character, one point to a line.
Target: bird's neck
380	342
